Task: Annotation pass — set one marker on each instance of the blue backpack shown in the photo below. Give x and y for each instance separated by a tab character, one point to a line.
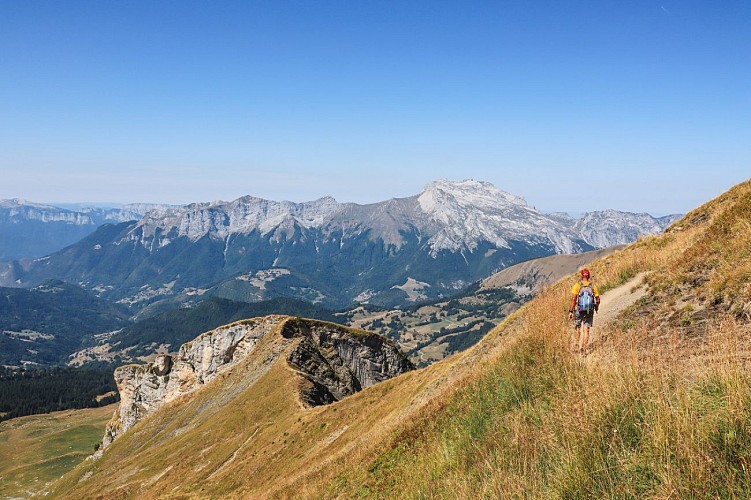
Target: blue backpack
586	301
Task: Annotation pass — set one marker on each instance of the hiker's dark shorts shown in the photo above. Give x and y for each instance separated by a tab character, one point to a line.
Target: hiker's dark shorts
587	319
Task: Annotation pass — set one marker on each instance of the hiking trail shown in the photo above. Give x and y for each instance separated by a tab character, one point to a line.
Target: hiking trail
617	299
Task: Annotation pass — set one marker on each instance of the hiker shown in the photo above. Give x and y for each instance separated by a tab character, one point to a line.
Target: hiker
585	301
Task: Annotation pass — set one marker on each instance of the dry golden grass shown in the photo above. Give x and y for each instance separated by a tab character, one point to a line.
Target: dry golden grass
665	413
661	408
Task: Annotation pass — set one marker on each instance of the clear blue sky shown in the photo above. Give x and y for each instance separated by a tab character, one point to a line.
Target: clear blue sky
576	106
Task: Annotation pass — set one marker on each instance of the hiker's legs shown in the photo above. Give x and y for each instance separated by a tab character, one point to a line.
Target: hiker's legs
584	338
586	324
575	337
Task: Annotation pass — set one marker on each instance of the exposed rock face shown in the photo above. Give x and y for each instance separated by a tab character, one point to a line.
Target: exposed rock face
339	363
17	211
335	362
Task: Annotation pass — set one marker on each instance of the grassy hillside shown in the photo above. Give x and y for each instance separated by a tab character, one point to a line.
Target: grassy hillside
662	406
37	450
660	409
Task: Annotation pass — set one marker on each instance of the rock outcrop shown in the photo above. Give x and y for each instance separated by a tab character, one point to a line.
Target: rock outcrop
333	360
338	361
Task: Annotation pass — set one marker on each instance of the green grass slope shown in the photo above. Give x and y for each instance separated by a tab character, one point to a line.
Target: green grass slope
36	450
660	408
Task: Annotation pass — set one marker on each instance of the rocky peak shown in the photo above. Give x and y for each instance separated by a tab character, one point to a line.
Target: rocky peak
453	216
469	211
606	228
18	210
18	202
131	211
468	193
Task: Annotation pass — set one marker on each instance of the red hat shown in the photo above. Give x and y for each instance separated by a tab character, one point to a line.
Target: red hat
585	273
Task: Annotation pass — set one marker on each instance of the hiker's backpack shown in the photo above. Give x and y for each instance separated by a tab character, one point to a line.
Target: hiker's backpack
585	302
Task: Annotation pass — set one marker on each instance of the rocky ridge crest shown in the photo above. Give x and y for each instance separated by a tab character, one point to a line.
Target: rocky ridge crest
333	361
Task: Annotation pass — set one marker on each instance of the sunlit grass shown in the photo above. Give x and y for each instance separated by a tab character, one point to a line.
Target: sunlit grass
38	449
660	409
538	422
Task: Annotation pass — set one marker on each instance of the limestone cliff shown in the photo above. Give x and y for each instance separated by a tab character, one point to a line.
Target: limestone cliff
334	362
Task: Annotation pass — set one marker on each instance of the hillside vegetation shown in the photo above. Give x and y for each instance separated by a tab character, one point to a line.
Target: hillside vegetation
47	323
660	408
36	450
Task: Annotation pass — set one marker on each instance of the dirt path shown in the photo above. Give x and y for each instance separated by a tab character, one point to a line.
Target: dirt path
613	302
616	300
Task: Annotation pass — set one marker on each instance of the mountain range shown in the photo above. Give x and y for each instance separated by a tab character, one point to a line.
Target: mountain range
29	230
395	252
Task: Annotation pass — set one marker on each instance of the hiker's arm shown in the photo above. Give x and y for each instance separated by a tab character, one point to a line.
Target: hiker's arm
572	302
